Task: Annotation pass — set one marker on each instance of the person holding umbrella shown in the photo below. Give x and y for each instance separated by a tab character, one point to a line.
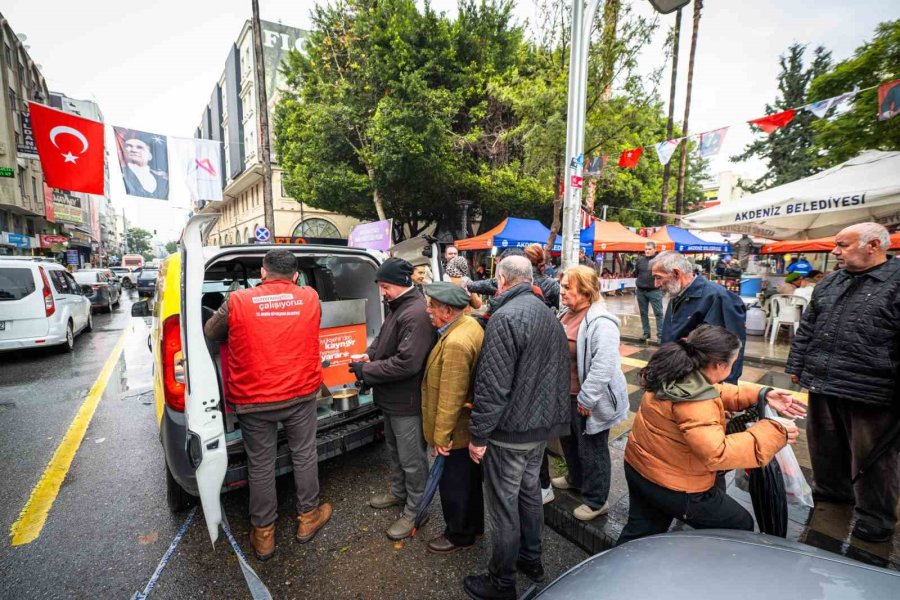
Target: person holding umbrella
678	442
446	400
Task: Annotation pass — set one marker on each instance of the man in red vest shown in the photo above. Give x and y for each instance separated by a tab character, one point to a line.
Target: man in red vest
275	371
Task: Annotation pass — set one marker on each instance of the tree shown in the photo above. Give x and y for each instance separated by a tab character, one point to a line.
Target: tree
171	247
788	151
674	41
137	241
843	137
682	169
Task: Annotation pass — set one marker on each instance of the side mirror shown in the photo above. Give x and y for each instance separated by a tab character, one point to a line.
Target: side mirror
85	290
141	308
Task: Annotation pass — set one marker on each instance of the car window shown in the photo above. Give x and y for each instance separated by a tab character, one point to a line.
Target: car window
60	284
148	275
86	277
74	288
16	283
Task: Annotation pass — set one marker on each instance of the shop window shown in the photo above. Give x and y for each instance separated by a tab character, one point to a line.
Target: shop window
319	228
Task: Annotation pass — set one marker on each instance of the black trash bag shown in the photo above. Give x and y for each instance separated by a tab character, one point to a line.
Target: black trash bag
766	483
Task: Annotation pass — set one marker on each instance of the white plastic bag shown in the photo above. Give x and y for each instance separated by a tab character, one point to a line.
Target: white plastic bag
795	485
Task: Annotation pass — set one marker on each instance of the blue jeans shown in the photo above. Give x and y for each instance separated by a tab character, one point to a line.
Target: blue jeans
654	299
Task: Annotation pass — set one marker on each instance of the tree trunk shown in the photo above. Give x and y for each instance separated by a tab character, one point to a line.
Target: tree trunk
682	169
670	123
591	196
376	195
608	46
558	197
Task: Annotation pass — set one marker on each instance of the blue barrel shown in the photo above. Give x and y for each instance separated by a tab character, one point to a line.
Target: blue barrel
751	286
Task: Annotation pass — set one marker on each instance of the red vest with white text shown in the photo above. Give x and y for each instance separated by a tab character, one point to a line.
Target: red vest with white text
273	343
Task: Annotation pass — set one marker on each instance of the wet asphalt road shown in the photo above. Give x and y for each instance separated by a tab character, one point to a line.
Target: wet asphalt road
109	526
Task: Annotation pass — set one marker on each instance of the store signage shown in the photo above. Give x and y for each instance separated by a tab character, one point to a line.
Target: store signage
19	240
27	147
48	241
7	172
67	207
72	258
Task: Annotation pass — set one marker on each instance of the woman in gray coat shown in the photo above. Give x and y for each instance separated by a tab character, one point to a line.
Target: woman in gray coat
598	389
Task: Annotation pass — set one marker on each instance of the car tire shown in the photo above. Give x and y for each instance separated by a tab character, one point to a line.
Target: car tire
176	496
68	345
108	304
90	323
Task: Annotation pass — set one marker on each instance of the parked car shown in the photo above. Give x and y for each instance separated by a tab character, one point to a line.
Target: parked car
41	305
126	276
112	276
146	281
738	565
202	442
97	287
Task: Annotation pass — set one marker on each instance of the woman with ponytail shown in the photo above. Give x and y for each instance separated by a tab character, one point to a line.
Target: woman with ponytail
678	441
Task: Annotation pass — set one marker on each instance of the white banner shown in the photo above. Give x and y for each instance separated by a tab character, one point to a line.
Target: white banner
198	163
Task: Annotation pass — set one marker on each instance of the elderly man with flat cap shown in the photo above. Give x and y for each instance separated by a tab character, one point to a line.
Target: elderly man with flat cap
393	366
446	400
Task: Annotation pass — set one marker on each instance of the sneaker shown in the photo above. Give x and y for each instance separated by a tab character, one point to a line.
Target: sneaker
481	587
547	495
386	501
561	483
533	571
586	513
403	527
645	337
872	533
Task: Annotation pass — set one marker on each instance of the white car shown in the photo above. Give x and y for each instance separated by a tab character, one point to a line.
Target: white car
126	275
41	305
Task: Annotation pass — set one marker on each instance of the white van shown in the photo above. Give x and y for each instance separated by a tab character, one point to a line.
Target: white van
41	305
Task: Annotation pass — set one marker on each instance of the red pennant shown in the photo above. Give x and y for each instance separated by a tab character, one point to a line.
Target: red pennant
772	122
629	159
70	148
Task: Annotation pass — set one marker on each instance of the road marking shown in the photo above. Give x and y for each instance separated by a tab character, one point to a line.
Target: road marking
31	519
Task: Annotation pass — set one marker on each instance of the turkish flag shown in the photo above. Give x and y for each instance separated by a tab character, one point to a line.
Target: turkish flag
776	121
629	159
70	148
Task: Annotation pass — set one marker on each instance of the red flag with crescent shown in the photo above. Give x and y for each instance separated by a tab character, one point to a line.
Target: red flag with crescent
70	148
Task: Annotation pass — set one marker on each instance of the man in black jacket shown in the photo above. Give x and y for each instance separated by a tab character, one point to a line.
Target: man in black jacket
847	354
521	401
647	293
393	366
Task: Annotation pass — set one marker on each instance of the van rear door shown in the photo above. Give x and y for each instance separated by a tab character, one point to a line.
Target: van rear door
22	310
205	422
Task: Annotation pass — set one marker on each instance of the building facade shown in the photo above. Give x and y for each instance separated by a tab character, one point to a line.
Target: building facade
23	201
230	118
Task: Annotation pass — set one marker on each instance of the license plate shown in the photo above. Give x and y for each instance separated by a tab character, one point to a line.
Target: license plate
2	325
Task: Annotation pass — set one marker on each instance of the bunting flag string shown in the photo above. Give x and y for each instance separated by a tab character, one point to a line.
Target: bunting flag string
665	150
711	142
771	123
629	158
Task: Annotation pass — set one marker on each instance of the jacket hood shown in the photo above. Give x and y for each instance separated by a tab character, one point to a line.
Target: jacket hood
690	388
598	311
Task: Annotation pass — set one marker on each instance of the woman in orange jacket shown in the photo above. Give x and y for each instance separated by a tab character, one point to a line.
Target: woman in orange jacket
678	442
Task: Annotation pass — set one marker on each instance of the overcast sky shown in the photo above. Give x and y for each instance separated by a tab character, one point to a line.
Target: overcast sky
152	66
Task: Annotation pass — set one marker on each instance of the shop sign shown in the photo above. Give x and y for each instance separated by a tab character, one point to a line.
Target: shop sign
67	207
7	172
19	240
48	241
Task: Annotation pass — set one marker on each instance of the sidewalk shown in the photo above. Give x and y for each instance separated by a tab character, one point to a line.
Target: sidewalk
827	526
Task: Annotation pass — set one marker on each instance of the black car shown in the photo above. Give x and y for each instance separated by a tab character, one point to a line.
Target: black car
146	282
97	287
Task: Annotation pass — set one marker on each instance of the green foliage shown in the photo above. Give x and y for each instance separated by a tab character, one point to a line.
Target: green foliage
788	151
873	63
171	247
138	242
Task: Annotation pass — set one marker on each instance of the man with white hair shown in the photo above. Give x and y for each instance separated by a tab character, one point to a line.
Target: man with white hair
847	354
521	400
696	301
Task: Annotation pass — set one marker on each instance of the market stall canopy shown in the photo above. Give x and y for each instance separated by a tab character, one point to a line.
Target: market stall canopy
864	188
510	233
610	236
816	245
669	237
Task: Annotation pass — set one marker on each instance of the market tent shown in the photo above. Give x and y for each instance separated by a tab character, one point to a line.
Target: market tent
510	233
610	236
816	245
669	237
864	188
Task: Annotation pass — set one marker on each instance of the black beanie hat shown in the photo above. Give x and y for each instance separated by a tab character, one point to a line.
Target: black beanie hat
396	271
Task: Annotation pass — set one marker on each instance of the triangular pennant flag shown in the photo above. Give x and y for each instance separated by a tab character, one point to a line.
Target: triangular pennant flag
843	103
888	100
629	158
771	123
665	150
711	142
595	166
820	108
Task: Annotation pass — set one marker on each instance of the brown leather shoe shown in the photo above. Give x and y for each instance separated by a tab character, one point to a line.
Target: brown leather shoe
441	545
309	523
263	541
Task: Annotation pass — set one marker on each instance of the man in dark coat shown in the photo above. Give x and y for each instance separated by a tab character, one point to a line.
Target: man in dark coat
847	353
648	295
695	301
521	401
393	367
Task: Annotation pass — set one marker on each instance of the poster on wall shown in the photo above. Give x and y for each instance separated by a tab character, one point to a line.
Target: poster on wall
144	159
67	207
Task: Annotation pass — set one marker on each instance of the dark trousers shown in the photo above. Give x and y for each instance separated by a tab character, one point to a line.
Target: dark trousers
841	434
587	459
652	298
545	471
514	510
462	500
260	433
652	508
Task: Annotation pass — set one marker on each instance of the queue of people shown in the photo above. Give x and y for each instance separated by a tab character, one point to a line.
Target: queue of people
489	393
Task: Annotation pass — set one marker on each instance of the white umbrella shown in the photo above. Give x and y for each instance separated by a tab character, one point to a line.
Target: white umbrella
864	188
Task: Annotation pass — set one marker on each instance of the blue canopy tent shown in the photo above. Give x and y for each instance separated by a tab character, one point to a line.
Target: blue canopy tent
681	240
513	233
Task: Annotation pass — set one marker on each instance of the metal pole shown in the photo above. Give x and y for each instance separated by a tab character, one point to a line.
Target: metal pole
604	212
262	112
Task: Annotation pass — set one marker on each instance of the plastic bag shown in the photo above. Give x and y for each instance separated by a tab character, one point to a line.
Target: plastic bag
795	485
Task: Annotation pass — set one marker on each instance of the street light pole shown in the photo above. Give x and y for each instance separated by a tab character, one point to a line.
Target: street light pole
262	113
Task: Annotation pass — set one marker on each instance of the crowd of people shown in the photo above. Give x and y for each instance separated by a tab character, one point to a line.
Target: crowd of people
487	392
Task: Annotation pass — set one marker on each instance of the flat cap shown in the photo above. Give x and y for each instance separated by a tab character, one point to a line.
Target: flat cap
447	293
792	277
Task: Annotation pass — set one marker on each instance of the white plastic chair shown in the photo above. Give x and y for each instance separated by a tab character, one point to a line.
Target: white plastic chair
784	310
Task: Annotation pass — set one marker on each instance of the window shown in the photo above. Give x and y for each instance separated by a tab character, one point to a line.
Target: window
319	228
59	281
12	100
34	188
21	184
7	54
74	288
16	283
29	227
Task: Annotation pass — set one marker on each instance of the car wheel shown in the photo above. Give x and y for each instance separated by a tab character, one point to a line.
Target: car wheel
176	496
108	303
69	344
90	323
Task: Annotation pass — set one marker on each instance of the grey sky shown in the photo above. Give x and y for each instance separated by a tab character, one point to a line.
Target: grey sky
152	66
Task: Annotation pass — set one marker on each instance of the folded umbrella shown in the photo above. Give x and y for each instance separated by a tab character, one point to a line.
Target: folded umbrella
434	478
